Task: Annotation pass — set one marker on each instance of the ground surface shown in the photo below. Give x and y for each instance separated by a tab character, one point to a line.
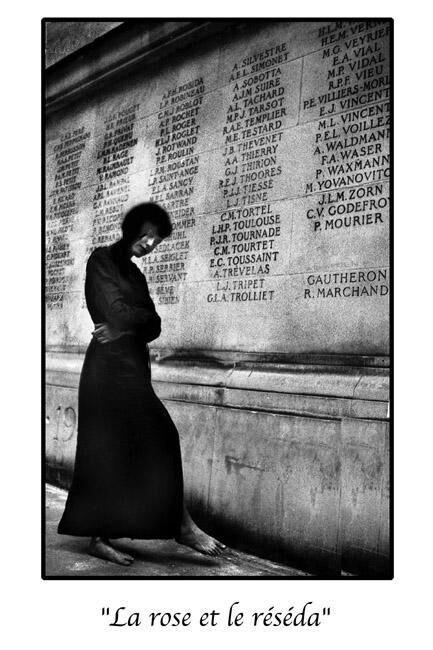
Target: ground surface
66	556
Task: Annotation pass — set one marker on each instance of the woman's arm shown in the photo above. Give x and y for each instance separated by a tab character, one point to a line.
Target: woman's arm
102	287
105	333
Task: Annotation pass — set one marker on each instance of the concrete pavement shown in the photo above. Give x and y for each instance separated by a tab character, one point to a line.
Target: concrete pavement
66	556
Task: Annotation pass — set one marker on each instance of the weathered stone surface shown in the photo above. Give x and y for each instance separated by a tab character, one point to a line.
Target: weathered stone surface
197	443
63	38
365	496
272	469
61	429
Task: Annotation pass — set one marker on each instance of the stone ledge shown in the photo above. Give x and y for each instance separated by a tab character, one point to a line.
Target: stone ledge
304	390
118	52
230	358
281	403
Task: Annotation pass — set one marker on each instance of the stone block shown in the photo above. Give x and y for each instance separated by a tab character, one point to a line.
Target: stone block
278	478
61	432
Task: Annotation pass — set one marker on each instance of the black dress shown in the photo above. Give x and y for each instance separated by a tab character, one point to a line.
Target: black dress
128	475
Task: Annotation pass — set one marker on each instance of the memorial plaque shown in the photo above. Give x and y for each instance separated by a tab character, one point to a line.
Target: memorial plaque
271	153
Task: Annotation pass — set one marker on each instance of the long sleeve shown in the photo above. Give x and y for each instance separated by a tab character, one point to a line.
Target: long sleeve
104	291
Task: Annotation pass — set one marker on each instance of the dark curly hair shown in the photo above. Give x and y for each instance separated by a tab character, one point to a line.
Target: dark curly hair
148	211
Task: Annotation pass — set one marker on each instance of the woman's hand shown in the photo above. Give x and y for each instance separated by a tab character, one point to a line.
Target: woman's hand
105	333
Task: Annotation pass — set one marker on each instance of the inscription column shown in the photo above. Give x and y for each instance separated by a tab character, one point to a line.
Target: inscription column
61	213
244	241
114	159
171	184
349	187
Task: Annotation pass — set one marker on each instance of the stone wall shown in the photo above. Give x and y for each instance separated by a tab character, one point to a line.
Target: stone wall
269	145
63	38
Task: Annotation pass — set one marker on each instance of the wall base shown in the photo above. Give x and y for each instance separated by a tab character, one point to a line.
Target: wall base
289	462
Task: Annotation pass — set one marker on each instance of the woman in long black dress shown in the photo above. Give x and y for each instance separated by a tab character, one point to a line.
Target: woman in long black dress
128	473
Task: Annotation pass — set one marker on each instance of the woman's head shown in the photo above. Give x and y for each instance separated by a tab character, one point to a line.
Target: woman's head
144	226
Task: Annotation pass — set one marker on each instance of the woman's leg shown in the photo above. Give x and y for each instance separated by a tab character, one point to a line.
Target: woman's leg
191	535
101	547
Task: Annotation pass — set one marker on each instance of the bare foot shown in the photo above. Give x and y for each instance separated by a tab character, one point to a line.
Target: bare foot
102	549
131	558
197	539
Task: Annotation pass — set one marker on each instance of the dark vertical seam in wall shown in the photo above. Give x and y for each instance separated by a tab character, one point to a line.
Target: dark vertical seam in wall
340	530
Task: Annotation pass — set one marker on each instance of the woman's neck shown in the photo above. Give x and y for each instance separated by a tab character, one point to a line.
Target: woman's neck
122	249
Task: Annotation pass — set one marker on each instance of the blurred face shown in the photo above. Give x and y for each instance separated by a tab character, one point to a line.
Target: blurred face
147	240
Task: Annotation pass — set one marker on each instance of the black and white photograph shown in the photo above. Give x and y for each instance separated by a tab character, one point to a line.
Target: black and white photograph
217	231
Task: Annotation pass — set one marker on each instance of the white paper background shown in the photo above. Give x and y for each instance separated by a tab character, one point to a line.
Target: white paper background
66	614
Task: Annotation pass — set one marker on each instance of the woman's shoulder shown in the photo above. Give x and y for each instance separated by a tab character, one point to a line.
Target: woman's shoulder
101	253
100	257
